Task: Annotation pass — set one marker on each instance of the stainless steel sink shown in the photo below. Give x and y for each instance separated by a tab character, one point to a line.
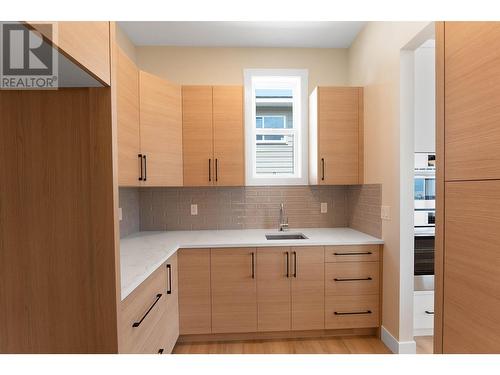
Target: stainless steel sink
286	236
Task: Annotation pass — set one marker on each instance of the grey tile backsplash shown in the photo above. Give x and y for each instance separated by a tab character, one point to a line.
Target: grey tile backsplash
250	207
364	203
130	205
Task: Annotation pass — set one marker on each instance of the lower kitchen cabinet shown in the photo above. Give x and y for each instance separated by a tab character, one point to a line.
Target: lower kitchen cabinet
423	313
195	308
278	289
352	287
150	314
274	300
234	290
308	288
354	311
171	328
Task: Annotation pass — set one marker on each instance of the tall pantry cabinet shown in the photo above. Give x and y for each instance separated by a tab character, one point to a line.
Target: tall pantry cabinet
468	188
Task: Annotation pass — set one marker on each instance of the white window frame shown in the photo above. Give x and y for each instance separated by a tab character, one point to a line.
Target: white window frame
252	77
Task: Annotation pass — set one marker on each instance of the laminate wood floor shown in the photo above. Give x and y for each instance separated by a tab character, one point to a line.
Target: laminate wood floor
425	344
327	345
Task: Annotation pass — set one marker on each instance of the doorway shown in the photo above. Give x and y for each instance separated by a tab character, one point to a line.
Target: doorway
417	173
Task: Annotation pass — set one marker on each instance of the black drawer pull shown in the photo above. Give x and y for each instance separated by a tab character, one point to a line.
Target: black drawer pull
287	264
429	312
353	279
161	351
169	270
216	169
137	324
362	253
145	168
142	171
353	312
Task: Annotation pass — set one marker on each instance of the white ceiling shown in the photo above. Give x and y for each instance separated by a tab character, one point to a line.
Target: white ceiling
243	34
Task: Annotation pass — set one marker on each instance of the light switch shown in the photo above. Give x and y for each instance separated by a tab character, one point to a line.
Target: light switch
385	212
194	209
324	207
120	213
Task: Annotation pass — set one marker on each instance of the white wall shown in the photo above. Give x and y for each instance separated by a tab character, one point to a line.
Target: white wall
374	63
425	96
224	66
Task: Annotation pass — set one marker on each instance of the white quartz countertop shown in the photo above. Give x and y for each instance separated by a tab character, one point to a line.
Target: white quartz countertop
143	252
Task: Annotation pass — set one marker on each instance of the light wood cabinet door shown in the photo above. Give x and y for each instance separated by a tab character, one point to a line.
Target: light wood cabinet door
172	306
351	278
471	268
308	288
142	314
197	135
355	311
234	290
336	142
471	97
161	130
129	146
273	289
228	135
86	43
194	292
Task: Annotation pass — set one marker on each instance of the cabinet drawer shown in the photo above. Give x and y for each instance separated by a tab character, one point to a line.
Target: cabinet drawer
352	253
352	278
423	309
352	312
143	309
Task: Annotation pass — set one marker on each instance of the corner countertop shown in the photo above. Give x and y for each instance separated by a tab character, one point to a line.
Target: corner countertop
143	252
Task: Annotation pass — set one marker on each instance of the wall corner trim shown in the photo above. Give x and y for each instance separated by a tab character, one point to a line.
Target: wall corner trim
398	347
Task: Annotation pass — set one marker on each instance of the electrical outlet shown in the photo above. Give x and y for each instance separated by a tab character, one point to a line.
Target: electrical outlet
324	207
194	209
385	212
120	213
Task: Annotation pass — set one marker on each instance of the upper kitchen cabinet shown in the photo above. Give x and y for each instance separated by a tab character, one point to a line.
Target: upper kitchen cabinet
213	135
129	144
197	135
85	43
228	135
161	131
336	136
149	127
472	78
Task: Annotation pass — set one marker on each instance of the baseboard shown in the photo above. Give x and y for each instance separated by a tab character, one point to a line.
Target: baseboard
397	347
423	332
278	335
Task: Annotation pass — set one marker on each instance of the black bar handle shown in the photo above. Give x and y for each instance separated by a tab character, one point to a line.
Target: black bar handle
287	255
322	169
352	279
137	324
161	351
353	312
216	169
140	161
429	312
209	170
145	168
295	264
253	265
169	270
361	253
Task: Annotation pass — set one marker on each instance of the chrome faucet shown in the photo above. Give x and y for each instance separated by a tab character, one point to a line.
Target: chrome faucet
283	224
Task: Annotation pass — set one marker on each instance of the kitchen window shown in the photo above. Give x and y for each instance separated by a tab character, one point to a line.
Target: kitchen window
276	127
